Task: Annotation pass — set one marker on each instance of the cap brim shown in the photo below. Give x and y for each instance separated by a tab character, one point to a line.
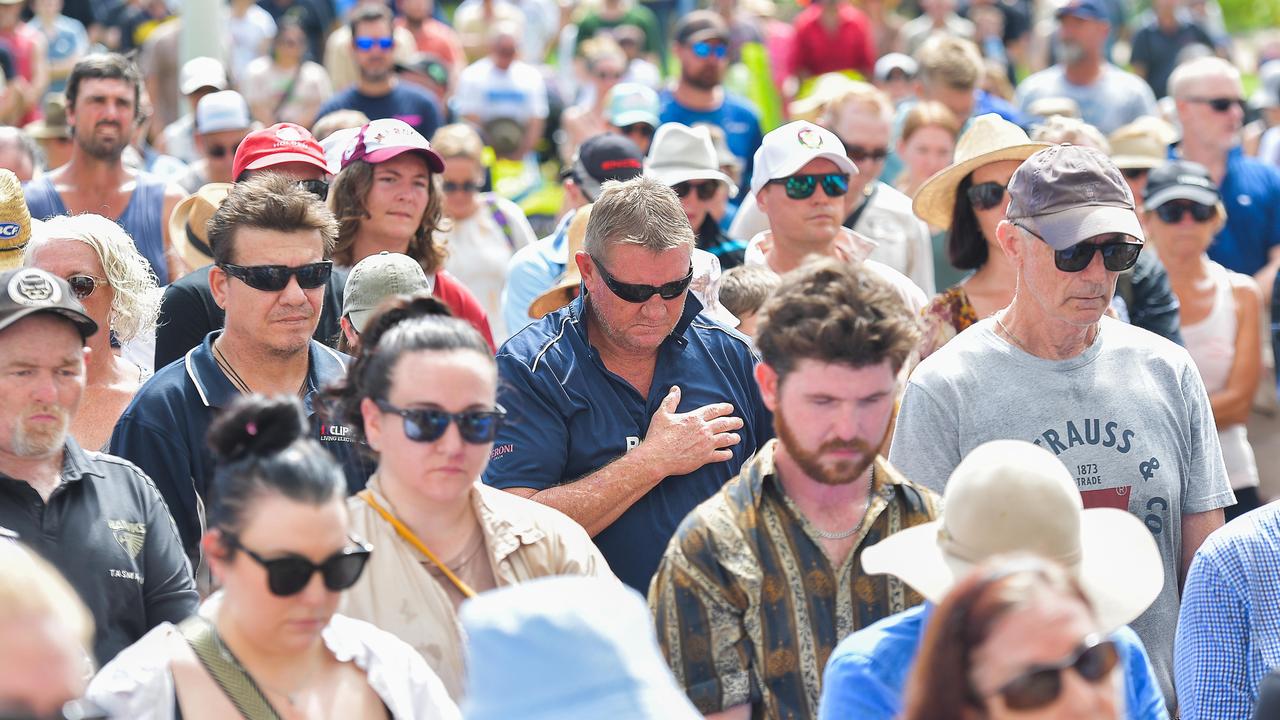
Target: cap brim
631	117
675	176
589	186
936	199
1137	162
359	317
1072	226
1204	196
281	158
842	161
434	161
83	323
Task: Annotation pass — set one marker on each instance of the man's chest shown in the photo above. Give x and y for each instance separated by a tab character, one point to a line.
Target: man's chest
110	202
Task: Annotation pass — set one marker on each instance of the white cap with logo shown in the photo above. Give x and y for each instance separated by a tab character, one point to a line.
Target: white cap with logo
787	149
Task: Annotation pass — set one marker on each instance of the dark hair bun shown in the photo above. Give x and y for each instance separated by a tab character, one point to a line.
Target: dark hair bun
396	310
258	426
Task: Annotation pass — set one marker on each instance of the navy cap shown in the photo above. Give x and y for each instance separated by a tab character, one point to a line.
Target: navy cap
1180	180
606	157
1087	9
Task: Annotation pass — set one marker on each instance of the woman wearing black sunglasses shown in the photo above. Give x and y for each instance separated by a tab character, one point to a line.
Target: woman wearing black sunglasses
1016	639
269	645
425	388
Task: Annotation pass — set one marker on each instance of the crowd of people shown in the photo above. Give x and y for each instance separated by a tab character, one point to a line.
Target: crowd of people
627	358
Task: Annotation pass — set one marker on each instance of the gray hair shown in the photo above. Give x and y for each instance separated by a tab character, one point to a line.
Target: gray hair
642	211
137	295
1059	129
1198	69
26	144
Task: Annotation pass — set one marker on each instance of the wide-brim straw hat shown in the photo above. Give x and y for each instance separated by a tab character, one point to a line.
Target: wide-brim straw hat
15	221
565	288
188	224
990	139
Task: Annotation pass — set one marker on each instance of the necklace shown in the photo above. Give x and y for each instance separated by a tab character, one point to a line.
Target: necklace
849	533
238	381
1021	345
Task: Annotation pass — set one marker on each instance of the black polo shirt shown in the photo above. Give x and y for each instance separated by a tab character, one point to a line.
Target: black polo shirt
164	430
107	530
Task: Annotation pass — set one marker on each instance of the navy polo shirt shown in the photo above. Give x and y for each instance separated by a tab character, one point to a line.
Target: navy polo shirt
568	416
1251	194
163	430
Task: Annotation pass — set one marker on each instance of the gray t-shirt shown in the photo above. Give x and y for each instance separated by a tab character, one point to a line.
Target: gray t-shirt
1116	98
1129	417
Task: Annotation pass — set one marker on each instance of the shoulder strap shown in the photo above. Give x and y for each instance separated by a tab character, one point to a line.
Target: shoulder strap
501	218
231	678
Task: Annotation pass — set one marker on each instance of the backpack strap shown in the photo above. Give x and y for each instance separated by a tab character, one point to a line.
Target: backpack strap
501	218
225	670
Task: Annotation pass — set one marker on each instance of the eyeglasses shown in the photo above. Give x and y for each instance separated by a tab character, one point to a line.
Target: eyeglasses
1134	173
467	187
274	278
1093	660
1172	211
220	151
289	575
429	424
82	286
365	44
800	187
319	188
706	49
859	154
1117	256
637	293
705	190
607	75
1220	104
644	129
985	196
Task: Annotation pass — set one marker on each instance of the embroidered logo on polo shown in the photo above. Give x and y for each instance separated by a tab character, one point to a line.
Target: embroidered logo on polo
330	432
129	535
34	288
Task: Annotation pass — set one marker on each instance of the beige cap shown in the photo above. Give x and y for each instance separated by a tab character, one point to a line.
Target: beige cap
1143	143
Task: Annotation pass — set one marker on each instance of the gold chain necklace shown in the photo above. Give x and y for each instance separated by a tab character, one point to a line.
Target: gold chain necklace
848	533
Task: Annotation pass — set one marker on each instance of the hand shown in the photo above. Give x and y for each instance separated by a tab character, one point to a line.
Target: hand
679	443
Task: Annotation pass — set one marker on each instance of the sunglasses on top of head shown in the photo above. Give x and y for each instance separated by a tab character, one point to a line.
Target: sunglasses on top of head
1118	254
1218	104
429	424
290	574
705	189
800	187
1173	211
365	44
707	49
638	293
274	278
1041	685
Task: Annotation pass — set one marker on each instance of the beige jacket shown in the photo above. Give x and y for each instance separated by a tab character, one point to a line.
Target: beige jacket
525	540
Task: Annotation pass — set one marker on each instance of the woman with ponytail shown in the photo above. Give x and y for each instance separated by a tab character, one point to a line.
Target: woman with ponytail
422	395
269	644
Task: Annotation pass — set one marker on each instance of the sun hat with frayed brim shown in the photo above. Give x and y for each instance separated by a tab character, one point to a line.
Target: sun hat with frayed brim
1009	496
565	288
990	139
15	221
188	224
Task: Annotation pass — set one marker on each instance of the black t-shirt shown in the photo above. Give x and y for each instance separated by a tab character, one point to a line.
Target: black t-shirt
188	313
1157	51
406	102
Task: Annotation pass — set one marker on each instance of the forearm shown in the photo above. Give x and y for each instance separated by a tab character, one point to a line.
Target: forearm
597	500
1231	407
1195	528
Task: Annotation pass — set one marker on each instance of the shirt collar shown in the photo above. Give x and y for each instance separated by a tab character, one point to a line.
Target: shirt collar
506	533
324	365
76	463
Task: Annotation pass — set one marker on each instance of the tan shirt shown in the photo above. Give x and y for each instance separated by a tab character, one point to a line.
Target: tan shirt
524	540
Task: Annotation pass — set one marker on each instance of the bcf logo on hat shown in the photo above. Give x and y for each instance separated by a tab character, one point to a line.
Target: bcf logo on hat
789	148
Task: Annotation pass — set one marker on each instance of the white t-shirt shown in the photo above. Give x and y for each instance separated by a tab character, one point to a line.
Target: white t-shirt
479	250
249	37
1129	417
1116	98
518	92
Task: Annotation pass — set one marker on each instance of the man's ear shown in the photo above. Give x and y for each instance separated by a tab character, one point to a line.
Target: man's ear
1010	241
218	285
767	379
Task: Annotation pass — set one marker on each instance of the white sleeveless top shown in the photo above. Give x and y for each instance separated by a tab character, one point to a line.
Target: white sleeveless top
1212	344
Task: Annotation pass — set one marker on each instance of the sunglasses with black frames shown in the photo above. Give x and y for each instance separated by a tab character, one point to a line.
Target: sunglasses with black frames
1118	255
290	574
860	154
705	189
638	293
430	424
1093	659
986	195
802	187
640	128
319	188
1173	211
274	278
1218	104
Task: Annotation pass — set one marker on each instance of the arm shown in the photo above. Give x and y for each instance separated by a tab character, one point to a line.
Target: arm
177	268
169	591
1211	645
1195	528
168	464
1266	277
1232	404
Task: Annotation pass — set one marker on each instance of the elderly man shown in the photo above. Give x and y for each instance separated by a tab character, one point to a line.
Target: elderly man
94	517
684	159
814	498
271	242
1124	409
1210	102
628	409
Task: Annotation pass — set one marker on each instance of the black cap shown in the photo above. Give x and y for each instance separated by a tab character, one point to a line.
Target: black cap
1180	180
603	158
27	291
701	25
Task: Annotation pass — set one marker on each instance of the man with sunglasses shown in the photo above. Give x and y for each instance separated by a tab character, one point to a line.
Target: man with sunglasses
271	241
627	408
1210	103
1124	409
96	518
633	113
222	123
684	158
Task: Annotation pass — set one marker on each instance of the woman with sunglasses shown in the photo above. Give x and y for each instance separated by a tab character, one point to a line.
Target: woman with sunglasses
1016	639
269	644
484	229
926	145
441	535
603	64
1219	310
388	197
967	200
115	284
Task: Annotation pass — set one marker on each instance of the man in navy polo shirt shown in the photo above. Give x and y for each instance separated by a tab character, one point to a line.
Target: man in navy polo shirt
626	408
271	241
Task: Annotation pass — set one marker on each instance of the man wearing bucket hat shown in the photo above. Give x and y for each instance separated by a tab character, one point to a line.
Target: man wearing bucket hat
1006	496
96	518
684	158
1123	408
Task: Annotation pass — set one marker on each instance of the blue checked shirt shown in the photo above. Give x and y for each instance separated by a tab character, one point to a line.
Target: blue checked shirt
1229	628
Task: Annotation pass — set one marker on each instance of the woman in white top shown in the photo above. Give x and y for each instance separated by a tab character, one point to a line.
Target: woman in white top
284	86
1219	310
279	543
484	229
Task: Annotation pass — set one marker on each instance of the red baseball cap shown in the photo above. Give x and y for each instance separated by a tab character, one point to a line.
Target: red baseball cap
279	144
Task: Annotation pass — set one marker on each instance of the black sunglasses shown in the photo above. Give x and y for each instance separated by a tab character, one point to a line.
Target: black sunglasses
644	129
467	187
82	286
1117	255
1172	211
1134	173
319	188
288	575
637	293
274	278
858	153
800	187
705	190
1093	660
221	151
429	424
985	196
1220	104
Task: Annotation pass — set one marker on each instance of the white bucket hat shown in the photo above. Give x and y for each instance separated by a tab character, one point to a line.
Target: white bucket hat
680	153
1011	496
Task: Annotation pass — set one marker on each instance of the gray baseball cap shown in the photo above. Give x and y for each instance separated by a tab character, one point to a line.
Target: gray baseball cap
1066	194
377	278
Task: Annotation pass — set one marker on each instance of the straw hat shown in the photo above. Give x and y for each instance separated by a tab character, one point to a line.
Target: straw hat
1143	143
188	225
566	286
990	139
15	221
54	123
